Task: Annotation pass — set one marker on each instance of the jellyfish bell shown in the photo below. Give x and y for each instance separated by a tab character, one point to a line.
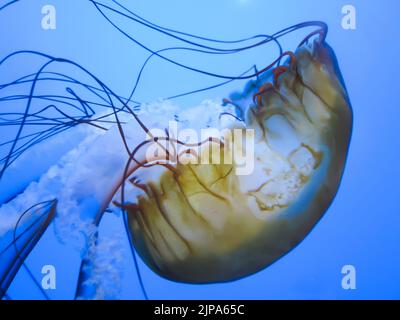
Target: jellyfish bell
202	223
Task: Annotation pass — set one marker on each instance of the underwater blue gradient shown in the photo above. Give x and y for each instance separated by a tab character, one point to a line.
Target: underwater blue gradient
362	226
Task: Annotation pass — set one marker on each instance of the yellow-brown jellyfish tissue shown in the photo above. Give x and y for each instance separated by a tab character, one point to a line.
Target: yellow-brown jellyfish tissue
202	223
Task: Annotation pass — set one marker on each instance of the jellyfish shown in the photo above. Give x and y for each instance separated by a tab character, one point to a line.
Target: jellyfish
189	220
